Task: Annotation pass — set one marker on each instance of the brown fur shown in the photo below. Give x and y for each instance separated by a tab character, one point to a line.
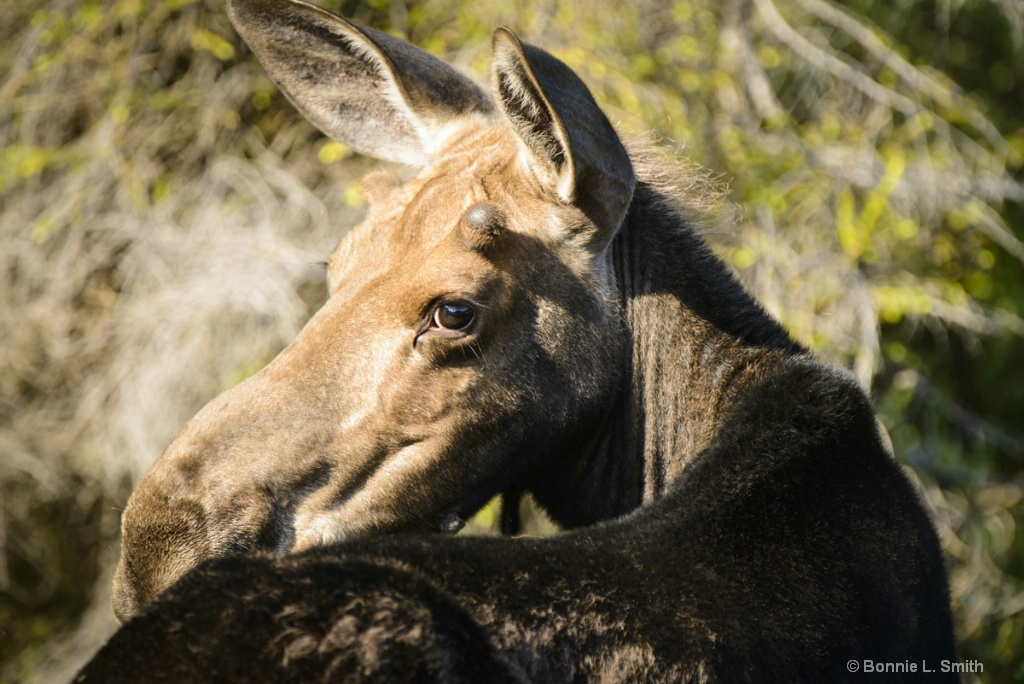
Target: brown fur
270	470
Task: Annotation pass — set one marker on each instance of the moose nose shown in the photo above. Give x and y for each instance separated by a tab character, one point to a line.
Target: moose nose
123	599
162	539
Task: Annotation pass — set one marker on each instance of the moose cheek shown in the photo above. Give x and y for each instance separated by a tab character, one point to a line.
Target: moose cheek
442	355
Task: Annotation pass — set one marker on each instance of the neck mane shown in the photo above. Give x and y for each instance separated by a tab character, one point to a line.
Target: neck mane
697	340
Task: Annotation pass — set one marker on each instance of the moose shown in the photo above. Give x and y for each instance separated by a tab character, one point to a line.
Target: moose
534	312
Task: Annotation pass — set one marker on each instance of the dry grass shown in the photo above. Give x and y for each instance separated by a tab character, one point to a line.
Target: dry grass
151	254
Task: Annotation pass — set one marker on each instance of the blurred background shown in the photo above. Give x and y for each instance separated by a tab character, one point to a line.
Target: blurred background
163	210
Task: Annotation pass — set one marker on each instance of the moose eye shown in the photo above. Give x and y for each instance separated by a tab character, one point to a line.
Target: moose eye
455	317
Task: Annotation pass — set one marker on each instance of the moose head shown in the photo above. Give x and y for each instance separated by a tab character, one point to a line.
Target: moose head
472	336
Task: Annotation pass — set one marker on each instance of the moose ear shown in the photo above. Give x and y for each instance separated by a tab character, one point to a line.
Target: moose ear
570	145
375	93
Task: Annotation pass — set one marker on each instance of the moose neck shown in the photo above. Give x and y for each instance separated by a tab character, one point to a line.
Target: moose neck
697	339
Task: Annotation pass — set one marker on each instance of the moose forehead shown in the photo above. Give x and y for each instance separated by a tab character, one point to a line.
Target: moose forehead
411	225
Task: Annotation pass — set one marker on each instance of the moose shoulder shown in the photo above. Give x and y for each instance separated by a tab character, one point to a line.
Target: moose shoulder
531	313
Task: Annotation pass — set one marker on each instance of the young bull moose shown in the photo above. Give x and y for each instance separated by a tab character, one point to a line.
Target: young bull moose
531	313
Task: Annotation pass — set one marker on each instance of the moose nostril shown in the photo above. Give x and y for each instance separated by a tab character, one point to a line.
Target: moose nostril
163	538
123	597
